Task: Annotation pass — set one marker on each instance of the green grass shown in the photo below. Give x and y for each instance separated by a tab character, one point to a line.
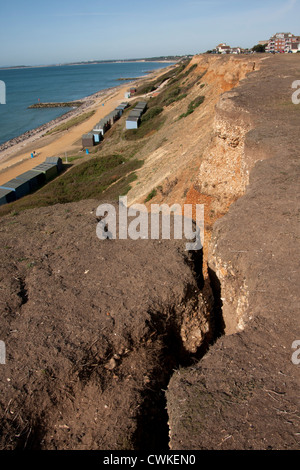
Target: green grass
174	99
177	88
171	75
192	106
151	195
72	122
88	180
150	122
120	188
73	159
151	113
188	71
172	95
147	88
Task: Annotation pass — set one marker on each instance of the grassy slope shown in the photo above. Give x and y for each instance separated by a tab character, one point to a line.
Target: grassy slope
110	169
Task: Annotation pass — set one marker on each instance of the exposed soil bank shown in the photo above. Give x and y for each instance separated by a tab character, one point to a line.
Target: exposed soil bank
244	394
93	330
96	331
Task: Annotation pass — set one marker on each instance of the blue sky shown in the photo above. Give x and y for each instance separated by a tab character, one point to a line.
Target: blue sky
36	32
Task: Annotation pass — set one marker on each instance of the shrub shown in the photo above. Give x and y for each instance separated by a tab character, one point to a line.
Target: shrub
192	106
173	95
151	113
151	195
145	89
145	128
195	103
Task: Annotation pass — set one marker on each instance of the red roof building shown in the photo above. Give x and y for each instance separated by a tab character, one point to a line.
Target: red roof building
283	42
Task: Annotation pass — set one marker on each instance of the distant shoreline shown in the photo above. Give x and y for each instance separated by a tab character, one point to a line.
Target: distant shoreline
22	67
33	135
87	102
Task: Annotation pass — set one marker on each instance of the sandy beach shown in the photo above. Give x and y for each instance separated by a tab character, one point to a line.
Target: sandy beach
16	159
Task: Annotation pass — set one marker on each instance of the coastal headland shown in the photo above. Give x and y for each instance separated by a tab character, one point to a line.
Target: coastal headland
139	344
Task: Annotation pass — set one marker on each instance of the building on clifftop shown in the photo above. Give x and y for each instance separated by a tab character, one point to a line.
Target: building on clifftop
283	42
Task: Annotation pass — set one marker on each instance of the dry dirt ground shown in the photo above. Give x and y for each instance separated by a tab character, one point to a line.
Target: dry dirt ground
92	332
97	331
244	394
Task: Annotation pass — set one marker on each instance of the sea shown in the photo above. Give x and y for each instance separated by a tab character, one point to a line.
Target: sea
27	86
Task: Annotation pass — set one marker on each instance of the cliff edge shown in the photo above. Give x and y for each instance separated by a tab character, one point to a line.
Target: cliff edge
139	344
244	393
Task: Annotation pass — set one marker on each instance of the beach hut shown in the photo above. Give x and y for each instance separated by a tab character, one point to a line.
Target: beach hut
49	170
55	161
117	114
32	177
88	140
39	176
113	116
124	104
96	128
6	196
103	125
21	188
122	107
142	105
127	94
109	120
132	122
97	136
135	113
132	91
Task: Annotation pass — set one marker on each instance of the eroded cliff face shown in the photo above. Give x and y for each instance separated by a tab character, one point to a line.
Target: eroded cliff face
201	159
243	394
223	173
96	331
224	176
225	72
174	153
222	179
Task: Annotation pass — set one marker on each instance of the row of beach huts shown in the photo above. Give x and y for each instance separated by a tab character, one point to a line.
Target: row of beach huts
95	136
30	180
133	119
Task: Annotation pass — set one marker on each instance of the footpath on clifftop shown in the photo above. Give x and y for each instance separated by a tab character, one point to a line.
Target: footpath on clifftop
244	393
